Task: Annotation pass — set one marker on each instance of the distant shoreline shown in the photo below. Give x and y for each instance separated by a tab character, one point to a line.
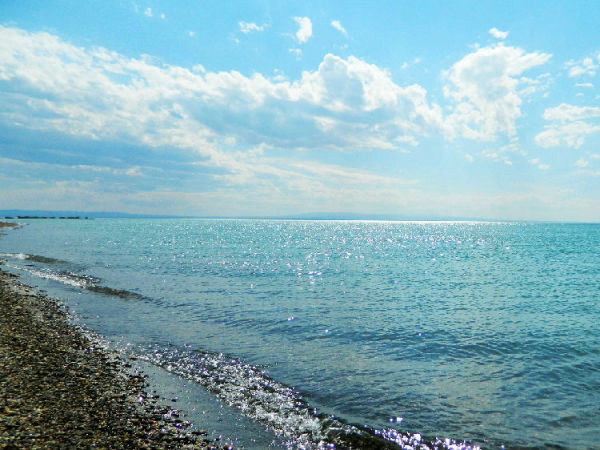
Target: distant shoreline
46	217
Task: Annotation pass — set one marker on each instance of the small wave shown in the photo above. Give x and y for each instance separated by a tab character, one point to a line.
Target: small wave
34	258
86	282
21	256
45	259
280	407
67	278
121	293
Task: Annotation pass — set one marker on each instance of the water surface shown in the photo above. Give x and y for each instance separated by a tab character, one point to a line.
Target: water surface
486	332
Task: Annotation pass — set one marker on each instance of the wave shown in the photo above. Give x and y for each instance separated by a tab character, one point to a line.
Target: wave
76	280
280	407
67	277
121	293
34	258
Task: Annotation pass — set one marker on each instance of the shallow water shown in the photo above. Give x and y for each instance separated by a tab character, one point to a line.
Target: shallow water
484	332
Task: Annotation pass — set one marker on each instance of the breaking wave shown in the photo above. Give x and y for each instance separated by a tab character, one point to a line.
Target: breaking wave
34	258
280	407
66	277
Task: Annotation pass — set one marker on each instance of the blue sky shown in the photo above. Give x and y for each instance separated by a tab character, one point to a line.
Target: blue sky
417	108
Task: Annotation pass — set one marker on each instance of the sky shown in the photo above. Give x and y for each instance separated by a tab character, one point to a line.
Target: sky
486	109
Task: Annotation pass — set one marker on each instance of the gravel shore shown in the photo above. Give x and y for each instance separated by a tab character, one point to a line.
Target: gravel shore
59	389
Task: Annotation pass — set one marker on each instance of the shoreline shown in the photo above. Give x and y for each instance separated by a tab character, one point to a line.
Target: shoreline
59	388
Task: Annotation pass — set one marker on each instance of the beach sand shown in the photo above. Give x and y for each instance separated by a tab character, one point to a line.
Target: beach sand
60	389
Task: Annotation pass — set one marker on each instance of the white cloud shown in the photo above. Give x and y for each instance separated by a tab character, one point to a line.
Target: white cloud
42	166
586	66
345	104
570	125
148	12
132	172
498	34
163	17
191	33
469	158
497	156
484	84
530	86
338	26
248	27
585	85
343	175
567	112
536	162
571	134
305	31
581	163
297	52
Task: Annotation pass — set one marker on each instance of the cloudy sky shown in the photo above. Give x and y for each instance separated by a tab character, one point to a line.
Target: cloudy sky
482	108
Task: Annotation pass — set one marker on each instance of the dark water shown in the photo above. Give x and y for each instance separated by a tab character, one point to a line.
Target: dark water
485	332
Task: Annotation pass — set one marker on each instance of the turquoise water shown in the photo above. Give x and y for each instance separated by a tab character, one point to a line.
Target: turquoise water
485	332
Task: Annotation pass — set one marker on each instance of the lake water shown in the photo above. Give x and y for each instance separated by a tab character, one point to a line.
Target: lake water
484	332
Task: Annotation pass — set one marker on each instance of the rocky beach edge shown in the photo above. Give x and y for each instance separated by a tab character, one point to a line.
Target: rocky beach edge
59	388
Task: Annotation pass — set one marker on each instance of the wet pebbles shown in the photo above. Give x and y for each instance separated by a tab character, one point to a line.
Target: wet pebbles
58	389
